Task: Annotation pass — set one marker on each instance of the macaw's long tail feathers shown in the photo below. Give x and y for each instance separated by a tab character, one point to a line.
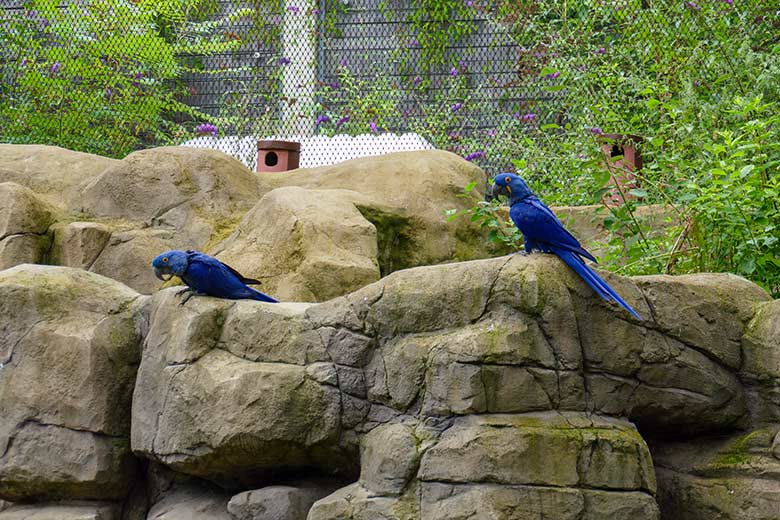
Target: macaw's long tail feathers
262	297
595	281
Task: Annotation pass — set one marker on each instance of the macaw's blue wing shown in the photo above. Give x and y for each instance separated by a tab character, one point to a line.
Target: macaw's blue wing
541	227
539	224
210	276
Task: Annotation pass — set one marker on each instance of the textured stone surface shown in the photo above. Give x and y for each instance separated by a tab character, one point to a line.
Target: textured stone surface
562	450
410	191
468	502
761	366
69	350
389	457
63	511
194	191
283	502
727	478
191	501
78	244
305	245
24	220
209	412
53	173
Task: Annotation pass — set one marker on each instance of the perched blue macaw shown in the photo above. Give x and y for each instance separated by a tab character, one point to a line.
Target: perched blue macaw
542	231
205	275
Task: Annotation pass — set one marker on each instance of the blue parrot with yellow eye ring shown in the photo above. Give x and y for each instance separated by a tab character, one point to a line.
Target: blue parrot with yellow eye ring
205	275
542	231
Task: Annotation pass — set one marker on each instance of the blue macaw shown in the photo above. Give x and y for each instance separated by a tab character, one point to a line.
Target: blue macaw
205	275
542	231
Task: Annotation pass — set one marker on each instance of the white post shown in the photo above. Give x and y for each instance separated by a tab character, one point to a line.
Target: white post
299	45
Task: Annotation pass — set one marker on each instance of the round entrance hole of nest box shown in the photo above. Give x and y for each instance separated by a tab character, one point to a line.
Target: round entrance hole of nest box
271	159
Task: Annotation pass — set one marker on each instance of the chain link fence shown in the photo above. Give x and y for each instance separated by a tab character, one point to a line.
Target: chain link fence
110	77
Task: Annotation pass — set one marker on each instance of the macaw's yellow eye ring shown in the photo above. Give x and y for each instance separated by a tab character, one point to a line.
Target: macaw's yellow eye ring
507	180
165	259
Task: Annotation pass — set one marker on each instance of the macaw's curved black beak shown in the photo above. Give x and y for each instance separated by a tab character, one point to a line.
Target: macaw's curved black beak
499	190
161	272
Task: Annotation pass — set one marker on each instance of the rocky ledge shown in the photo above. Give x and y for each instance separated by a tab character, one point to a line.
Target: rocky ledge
499	388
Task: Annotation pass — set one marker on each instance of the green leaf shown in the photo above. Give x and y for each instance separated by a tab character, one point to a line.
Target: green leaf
748	265
601	177
638	193
744	172
519	163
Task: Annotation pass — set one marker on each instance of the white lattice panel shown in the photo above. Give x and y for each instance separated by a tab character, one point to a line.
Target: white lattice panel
318	150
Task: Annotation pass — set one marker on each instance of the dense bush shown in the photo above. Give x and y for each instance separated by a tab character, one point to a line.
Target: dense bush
699	82
100	76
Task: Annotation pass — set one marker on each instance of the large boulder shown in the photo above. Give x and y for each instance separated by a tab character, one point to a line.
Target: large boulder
53	173
225	413
405	195
78	244
561	465
69	351
24	221
279	502
305	245
191	501
198	193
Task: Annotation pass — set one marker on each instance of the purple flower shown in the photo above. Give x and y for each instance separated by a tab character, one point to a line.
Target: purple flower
526	118
414	42
455	136
697	83
469	3
343	62
490	133
283	61
453	71
552	75
373	127
322	118
341	121
25	62
417	80
476	155
109	92
334	85
293	9
729	2
315	11
596	130
600	50
457	106
206	129
55	68
692	5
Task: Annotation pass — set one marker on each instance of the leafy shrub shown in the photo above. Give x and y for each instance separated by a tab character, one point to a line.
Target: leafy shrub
100	76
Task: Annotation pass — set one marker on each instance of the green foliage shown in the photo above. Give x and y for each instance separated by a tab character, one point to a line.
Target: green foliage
356	105
434	26
487	215
699	82
100	77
